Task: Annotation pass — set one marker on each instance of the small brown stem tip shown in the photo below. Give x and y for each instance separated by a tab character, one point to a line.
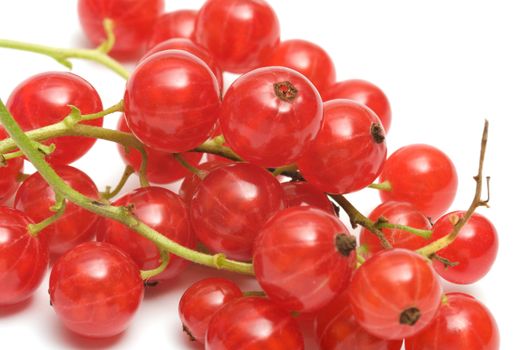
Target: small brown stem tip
285	91
377	132
410	316
345	244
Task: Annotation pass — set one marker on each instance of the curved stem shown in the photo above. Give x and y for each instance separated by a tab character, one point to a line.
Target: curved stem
383	186
109	193
120	214
164	259
189	166
416	231
215	147
285	169
59	208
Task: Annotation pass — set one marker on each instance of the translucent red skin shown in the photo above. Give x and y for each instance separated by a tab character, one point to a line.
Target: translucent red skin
307	58
231	205
201	300
172	101
475	248
389	283
292	256
191	181
364	92
264	129
253	323
421	175
337	329
23	258
133	23
162	210
176	24
95	289
9	174
396	213
162	167
43	99
344	156
77	225
240	34
462	323
299	193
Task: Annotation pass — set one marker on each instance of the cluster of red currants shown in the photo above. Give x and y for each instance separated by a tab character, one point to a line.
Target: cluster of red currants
285	118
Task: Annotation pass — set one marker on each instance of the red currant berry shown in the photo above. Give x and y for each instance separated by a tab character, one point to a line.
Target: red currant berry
240	34
231	205
190	47
307	58
191	181
365	93
474	249
348	153
201	300
133	22
172	101
299	193
176	24
270	115
9	174
44	99
95	289
253	323
163	211
303	258
396	213
23	258
35	198
162	167
395	294
461	323
421	175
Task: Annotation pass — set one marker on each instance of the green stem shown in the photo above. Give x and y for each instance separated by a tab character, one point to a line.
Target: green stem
283	169
416	231
254	293
189	166
164	259
215	147
59	208
383	186
120	214
109	193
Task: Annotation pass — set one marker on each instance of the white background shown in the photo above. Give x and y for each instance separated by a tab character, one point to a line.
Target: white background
445	65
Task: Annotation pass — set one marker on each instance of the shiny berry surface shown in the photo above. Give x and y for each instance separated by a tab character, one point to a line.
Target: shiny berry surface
172	101
422	175
253	323
162	167
191	181
162	210
474	249
307	58
231	205
395	294
201	300
9	174
76	225
43	99
23	258
268	108
249	32
303	258
299	193
176	24
396	213
349	151
365	93
133	21
95	289
462	323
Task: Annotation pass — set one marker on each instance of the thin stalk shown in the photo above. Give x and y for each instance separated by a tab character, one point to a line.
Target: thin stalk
416	231
164	259
109	193
59	208
383	186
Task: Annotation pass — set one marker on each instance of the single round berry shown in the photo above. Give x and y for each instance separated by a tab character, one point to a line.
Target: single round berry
253	323
176	24
240	34
133	21
421	175
365	93
395	294
303	258
201	300
299	193
9	173
270	115
307	58
45	98
349	151
396	213
95	289
461	323
172	101
162	210
231	205
162	167
474	249
23	258
191	181
35	197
